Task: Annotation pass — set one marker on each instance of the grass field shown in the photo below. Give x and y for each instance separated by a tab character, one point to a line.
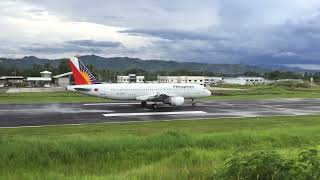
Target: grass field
251	92
271	91
154	150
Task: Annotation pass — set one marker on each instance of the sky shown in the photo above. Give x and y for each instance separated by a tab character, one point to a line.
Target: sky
269	32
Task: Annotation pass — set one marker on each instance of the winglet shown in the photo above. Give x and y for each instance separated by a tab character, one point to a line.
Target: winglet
81	73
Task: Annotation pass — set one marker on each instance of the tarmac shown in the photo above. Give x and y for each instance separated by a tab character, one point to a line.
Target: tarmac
37	115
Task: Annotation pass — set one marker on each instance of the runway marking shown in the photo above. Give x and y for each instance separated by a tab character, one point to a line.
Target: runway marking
154	113
97	104
48	111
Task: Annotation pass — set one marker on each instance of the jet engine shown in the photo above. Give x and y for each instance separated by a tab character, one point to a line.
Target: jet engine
176	101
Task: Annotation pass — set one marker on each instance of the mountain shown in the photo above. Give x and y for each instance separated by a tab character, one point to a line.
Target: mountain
125	63
26	62
283	61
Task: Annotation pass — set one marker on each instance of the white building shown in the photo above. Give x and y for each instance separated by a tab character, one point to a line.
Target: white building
244	80
62	80
131	78
213	80
46	74
182	79
207	81
43	81
11	81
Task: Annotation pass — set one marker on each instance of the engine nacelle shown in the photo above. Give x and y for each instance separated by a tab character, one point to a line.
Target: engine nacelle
176	101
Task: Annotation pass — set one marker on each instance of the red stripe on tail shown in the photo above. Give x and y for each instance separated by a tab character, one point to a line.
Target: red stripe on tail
79	79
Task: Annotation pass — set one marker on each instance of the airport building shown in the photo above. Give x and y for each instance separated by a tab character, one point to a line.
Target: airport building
43	81
62	80
12	81
213	81
244	80
131	78
208	81
182	79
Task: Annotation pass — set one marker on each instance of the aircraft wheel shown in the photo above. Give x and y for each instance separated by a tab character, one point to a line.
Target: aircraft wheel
154	106
194	102
143	103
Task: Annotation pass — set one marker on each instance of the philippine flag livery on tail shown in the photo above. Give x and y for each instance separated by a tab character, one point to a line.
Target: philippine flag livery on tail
81	73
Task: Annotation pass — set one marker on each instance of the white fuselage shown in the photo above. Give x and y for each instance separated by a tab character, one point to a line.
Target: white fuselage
134	91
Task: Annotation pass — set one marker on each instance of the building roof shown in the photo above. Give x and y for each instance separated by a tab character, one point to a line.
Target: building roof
62	75
11	77
45	72
38	79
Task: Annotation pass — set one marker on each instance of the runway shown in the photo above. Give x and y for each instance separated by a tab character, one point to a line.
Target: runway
122	112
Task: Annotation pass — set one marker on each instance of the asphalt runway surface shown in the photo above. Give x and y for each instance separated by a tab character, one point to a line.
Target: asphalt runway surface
121	112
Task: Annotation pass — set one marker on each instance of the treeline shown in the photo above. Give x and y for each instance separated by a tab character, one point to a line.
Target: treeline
108	75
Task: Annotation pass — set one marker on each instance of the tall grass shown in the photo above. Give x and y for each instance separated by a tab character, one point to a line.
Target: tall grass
164	150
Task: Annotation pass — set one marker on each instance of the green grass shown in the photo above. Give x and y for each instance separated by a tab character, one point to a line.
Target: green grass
272	91
50	97
153	150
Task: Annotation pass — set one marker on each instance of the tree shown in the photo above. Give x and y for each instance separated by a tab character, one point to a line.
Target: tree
251	73
63	66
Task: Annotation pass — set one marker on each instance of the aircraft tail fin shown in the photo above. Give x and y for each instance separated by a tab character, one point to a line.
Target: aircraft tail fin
81	73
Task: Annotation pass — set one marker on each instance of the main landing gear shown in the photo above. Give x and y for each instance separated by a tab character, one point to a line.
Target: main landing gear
144	103
154	106
194	103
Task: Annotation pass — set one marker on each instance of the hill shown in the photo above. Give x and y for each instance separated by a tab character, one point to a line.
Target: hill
125	63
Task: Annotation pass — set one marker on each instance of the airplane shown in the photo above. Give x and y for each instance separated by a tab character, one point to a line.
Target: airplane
172	94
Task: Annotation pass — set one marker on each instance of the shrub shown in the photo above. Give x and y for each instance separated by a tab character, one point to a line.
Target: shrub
310	161
294	84
269	165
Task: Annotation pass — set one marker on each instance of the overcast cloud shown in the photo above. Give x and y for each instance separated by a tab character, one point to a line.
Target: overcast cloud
213	31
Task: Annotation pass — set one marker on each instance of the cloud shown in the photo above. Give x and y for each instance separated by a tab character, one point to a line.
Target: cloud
58	48
214	31
137	14
306	66
285	54
92	43
172	34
